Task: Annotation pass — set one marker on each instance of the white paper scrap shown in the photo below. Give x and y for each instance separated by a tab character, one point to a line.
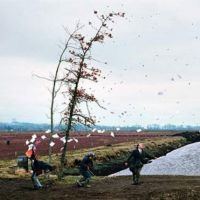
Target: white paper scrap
52	144
55	136
139	130
112	134
48	131
43	137
69	140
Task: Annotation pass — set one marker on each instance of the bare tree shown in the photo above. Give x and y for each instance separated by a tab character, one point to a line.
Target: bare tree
57	82
56	89
79	68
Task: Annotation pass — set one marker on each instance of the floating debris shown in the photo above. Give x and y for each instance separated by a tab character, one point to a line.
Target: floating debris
139	130
34	136
43	137
88	135
69	140
32	140
112	134
55	136
48	131
63	139
160	93
75	140
52	144
94	130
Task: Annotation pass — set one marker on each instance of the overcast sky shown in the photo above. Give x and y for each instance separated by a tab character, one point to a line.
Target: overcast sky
154	59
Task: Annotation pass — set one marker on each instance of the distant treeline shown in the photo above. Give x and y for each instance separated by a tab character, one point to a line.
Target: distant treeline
24	126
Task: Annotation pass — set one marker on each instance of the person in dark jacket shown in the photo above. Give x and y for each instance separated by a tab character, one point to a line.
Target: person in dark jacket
85	165
136	161
37	167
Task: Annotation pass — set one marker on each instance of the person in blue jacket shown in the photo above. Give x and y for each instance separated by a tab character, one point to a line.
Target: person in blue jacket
85	165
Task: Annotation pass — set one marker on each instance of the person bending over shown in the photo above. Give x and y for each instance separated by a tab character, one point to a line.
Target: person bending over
85	165
38	167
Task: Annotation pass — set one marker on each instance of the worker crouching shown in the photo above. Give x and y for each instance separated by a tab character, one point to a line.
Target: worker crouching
85	165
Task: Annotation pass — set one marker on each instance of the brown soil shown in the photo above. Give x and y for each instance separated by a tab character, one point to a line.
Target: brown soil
117	188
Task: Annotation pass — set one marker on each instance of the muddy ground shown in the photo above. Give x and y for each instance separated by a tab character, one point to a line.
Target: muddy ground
117	188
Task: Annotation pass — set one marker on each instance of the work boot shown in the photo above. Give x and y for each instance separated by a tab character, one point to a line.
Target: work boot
79	184
37	187
88	186
134	183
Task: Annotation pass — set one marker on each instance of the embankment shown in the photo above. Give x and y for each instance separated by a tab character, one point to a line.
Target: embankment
111	159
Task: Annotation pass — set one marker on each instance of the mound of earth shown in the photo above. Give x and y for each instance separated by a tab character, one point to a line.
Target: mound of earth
183	161
115	188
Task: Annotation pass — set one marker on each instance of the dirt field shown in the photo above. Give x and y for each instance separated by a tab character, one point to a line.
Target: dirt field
118	188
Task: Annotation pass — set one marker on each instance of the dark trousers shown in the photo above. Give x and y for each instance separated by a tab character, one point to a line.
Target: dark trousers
38	167
136	173
35	180
86	177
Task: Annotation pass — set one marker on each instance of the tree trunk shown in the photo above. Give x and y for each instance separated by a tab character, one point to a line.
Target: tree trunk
63	156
